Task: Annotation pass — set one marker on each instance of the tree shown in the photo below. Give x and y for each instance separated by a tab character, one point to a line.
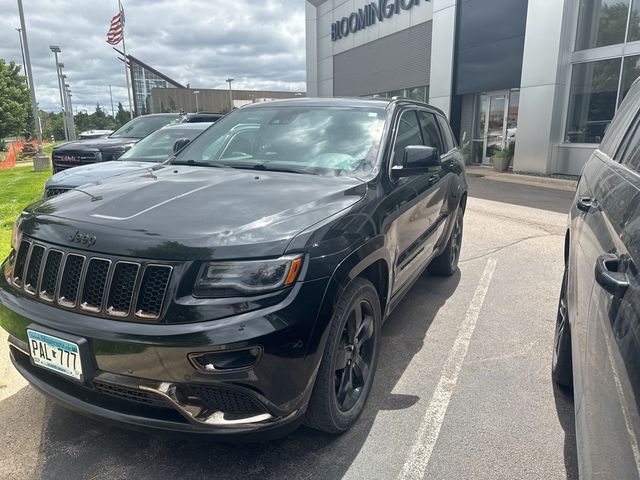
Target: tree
122	116
100	119
15	102
52	125
82	121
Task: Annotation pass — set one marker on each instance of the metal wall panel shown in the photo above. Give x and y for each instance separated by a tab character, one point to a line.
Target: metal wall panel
490	43
400	60
466	118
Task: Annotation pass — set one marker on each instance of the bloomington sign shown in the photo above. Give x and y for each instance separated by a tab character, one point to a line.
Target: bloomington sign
367	16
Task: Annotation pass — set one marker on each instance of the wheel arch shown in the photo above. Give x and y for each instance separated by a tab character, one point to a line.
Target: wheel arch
463	201
371	261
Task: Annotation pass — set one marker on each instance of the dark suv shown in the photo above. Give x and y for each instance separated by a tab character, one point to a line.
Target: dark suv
597	341
241	286
106	149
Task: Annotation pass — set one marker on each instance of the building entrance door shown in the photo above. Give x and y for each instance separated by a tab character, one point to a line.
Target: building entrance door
496	116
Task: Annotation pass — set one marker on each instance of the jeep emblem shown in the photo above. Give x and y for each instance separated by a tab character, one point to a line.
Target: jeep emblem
79	237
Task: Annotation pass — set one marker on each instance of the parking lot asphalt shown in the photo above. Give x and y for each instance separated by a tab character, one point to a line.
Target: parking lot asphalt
463	387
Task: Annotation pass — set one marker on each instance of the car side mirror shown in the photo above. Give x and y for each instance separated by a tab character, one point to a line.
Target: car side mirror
180	144
418	160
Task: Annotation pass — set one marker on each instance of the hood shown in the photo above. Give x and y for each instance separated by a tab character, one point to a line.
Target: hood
188	213
95	172
95	144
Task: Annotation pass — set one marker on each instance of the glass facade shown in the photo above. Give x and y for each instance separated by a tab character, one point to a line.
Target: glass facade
143	81
420	94
597	87
601	23
495	123
630	71
592	100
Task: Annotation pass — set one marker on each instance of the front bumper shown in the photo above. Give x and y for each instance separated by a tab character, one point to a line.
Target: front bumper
144	378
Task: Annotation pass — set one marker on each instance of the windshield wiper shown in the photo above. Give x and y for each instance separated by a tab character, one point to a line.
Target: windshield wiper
271	168
244	166
193	163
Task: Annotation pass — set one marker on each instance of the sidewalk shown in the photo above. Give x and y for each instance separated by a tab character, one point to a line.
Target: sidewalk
533	180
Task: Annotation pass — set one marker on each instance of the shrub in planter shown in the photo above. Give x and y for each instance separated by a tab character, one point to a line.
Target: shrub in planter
465	150
501	159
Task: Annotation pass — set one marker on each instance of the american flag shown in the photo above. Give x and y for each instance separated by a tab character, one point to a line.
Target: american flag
116	32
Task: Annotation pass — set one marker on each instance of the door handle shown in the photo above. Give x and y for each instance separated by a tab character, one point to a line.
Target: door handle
608	275
585	203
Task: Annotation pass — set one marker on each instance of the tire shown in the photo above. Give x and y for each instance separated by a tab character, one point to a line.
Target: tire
446	263
561	363
349	360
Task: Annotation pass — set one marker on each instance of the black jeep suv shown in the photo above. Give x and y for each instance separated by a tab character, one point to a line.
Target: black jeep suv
83	152
241	286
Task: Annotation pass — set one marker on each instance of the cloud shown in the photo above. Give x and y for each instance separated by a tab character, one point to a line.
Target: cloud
259	43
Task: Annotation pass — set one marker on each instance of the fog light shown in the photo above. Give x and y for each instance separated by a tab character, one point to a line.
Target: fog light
226	360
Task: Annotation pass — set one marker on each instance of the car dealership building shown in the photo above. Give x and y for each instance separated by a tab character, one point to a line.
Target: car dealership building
549	73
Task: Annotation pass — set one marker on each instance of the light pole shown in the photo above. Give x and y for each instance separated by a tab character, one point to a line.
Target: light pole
24	67
27	61
72	123
196	93
229	80
65	113
67	108
113	113
56	50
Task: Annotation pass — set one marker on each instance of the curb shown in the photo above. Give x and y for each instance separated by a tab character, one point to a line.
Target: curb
522	179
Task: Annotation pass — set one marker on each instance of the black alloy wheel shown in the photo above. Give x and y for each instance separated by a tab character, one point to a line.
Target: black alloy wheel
349	360
354	355
456	243
561	363
446	263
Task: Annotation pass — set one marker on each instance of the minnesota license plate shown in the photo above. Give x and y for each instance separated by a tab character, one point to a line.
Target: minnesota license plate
55	354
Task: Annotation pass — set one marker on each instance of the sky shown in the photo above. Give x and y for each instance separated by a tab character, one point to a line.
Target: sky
259	43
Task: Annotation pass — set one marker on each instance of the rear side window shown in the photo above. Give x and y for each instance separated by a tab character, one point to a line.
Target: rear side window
431	131
447	135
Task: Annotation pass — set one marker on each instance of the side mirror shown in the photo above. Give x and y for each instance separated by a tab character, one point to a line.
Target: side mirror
180	144
418	160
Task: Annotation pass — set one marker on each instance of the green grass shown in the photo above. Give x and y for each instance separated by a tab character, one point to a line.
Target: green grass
19	186
48	148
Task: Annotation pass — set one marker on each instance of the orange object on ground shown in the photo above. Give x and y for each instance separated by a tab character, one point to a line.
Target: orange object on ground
15	148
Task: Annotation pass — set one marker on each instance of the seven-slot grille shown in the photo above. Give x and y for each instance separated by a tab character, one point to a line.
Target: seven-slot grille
91	284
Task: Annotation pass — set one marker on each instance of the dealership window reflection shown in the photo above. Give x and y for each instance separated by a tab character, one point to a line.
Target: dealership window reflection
630	71
603	22
420	94
592	100
633	32
594	95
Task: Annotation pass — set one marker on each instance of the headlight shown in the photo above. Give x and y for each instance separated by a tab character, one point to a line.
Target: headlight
15	235
220	279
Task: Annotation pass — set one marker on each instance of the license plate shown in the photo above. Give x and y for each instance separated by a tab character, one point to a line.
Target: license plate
55	354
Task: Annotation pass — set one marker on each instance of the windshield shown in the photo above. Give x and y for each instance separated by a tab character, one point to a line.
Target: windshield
140	127
158	146
319	140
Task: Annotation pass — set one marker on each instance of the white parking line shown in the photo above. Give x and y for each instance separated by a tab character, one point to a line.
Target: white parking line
429	429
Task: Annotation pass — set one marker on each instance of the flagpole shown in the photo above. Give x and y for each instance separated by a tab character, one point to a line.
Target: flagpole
126	70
